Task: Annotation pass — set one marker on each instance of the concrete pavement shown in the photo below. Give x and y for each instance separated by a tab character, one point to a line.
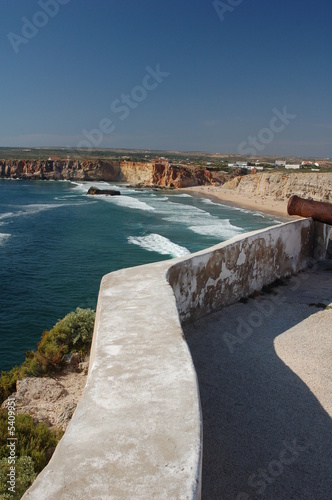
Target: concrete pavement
265	378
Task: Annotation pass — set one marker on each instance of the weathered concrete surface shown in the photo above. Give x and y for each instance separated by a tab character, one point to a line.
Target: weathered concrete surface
221	275
264	370
137	433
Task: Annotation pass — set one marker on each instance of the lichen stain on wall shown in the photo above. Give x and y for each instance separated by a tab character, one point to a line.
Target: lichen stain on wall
227	272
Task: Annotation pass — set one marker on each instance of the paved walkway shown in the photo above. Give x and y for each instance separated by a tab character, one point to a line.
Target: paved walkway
265	375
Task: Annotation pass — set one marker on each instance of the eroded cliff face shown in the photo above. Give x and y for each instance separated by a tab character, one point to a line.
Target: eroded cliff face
163	175
281	186
135	173
180	177
59	170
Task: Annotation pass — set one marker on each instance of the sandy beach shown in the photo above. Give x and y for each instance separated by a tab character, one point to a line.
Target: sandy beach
230	197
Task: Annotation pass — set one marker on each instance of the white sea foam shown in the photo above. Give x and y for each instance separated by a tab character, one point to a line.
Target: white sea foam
218	229
170	208
78	186
41	207
128	202
83	187
66	196
194	218
3	238
182	195
162	198
160	244
26	210
188	219
7	215
209	202
186	214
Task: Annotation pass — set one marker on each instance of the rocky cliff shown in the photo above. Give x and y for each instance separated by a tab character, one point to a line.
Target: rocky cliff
59	170
52	400
163	175
180	177
146	174
281	186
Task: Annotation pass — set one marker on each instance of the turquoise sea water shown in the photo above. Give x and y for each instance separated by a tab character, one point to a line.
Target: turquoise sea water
56	243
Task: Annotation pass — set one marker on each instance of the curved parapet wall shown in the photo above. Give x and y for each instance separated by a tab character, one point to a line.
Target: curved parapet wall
137	431
221	275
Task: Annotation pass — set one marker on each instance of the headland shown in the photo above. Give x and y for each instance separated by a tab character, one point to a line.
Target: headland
269	191
266	190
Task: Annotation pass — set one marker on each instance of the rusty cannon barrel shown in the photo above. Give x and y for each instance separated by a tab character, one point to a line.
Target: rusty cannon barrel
317	210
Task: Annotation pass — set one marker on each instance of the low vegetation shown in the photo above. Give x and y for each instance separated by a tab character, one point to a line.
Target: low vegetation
35	443
34	447
71	334
24	476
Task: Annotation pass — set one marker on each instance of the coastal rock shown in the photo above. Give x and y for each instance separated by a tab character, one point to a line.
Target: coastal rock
281	186
110	192
180	177
51	400
84	367
163	175
134	173
77	170
64	418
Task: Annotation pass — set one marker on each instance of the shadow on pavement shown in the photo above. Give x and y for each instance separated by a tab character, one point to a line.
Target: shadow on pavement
265	434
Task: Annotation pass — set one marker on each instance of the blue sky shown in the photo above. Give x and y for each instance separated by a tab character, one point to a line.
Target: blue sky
75	72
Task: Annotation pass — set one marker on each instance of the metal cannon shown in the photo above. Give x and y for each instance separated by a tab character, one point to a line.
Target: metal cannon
318	210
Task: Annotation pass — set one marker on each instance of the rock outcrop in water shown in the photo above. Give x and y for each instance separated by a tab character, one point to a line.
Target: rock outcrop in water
109	192
135	173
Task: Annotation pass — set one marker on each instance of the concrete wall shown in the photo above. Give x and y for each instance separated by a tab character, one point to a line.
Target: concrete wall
217	277
137	432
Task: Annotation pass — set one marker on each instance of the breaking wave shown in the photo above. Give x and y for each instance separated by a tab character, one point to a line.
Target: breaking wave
182	195
24	210
218	229
128	202
160	244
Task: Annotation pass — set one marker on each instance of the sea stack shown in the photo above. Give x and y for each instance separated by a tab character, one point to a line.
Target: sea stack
96	191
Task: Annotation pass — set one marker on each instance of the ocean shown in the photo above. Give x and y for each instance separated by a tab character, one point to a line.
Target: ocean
56	243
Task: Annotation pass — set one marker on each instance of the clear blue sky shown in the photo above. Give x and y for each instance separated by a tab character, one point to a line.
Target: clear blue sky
229	71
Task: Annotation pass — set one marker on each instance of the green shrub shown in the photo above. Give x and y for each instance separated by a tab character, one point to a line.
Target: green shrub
34	440
8	383
76	329
30	366
73	333
24	476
